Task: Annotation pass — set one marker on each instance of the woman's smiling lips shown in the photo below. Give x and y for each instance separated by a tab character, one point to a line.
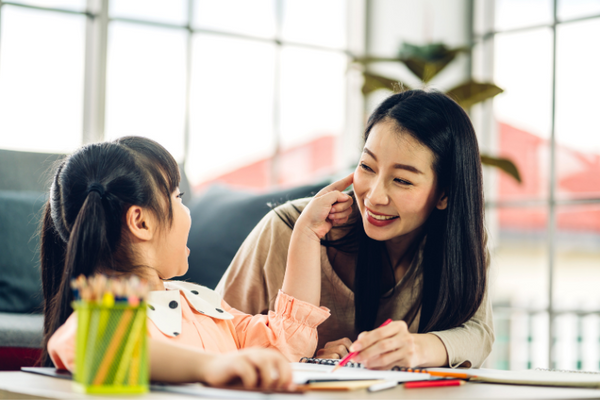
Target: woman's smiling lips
379	219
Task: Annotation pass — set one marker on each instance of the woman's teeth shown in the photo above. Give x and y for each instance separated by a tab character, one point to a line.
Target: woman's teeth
380	217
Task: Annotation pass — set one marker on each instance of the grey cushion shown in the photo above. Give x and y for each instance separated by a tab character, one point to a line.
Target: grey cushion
221	219
20	284
26	171
21	330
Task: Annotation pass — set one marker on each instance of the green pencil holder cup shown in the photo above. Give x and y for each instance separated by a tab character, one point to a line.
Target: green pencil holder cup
111	355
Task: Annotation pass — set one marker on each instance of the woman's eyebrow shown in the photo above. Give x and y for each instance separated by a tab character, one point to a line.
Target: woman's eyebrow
405	167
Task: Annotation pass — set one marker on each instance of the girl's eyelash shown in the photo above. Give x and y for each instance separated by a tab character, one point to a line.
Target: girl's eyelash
403	182
365	167
180	195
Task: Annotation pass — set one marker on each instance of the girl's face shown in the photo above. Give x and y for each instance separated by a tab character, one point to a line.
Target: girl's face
172	246
394	183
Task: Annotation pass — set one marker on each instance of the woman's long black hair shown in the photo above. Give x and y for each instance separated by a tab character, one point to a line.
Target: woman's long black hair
83	218
454	261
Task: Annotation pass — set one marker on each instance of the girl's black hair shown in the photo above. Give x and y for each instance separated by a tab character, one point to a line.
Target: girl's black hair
82	227
454	255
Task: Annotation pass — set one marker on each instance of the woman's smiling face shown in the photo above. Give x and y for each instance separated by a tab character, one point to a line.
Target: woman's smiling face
395	184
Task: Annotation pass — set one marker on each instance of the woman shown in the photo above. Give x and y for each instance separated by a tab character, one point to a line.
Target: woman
413	249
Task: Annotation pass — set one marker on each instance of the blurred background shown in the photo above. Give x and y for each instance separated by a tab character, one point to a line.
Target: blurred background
262	95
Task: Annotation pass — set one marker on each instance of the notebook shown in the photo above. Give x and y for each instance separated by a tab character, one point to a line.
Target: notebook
315	370
532	377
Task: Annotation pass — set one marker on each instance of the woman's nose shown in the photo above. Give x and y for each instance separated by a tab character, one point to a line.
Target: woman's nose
378	193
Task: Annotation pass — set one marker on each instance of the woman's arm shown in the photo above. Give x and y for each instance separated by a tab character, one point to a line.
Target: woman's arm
467	345
329	207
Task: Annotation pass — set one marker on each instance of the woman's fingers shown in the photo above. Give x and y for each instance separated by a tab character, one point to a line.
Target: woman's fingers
367	339
376	341
386	346
336	349
401	358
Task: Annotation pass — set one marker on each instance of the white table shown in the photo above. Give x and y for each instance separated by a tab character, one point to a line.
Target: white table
30	386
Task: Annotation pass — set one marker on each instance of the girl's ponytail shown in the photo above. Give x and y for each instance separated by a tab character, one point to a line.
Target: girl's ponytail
86	251
52	259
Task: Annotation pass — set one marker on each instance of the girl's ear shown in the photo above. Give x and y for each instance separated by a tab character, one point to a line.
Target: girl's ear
140	223
442	202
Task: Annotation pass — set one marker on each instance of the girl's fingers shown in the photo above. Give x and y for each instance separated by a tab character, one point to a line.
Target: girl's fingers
285	373
267	371
340	215
338	185
247	373
341	206
342	183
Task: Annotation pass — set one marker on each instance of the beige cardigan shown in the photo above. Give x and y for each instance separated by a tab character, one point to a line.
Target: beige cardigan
253	279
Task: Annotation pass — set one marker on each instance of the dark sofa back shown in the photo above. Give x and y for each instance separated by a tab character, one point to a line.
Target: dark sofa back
20	285
221	219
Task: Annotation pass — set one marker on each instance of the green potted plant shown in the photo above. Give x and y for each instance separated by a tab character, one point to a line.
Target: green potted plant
426	62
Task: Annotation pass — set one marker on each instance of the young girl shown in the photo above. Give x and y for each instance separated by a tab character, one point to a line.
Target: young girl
115	208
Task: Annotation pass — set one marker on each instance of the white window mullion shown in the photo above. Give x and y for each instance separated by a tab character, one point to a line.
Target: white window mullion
95	71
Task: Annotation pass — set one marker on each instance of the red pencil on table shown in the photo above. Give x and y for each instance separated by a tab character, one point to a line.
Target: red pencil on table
426	384
349	356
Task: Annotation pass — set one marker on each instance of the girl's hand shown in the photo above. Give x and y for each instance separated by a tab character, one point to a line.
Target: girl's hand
329	207
336	349
255	368
386	347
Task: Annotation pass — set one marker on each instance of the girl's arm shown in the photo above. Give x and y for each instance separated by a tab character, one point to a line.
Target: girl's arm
253	368
329	207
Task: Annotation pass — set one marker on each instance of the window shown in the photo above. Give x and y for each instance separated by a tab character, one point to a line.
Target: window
545	232
250	98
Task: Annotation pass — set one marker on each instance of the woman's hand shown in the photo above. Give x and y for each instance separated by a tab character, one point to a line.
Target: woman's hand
393	345
336	349
329	207
265	369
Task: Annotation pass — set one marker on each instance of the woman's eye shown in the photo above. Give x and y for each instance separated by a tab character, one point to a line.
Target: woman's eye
365	167
180	195
402	181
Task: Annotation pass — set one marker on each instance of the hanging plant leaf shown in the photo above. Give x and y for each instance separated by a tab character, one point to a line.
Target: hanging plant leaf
374	82
368	60
427	61
472	92
504	164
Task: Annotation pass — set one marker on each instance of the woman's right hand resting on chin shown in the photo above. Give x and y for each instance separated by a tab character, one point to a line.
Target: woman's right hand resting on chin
253	368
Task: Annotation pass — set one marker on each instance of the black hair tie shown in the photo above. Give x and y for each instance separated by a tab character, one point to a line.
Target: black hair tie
96	187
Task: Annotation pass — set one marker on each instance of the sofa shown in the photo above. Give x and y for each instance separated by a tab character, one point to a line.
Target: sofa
222	217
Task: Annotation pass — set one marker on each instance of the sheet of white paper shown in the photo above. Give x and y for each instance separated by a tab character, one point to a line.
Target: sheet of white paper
532	377
304	372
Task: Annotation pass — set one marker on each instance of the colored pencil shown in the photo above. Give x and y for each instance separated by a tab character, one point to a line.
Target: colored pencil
113	346
353	354
441	374
426	384
134	337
